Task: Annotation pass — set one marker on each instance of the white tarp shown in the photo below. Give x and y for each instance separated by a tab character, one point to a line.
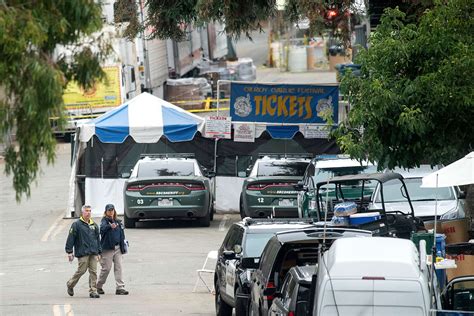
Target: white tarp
100	192
460	172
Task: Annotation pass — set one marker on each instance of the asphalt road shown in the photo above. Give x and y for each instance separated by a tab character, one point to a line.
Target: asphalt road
159	271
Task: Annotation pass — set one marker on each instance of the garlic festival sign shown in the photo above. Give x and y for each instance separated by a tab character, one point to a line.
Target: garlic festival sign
283	103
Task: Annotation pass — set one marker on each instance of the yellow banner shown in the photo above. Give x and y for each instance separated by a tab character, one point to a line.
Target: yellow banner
102	94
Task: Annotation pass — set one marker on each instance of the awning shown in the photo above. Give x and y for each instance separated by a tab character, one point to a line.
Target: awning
145	118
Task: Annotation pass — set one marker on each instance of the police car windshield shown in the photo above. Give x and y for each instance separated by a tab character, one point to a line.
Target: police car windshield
166	168
326	173
255	243
281	168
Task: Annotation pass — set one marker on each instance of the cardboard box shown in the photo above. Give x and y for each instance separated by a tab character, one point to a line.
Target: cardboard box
465	266
456	230
430	225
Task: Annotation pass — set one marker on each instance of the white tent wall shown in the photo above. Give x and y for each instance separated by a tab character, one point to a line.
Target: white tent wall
228	193
100	192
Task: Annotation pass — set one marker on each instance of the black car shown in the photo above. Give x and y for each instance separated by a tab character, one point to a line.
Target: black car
284	251
294	297
239	254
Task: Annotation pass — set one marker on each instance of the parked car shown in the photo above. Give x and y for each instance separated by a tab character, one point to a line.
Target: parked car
449	201
284	251
458	296
324	167
372	276
239	255
168	186
342	68
269	188
295	295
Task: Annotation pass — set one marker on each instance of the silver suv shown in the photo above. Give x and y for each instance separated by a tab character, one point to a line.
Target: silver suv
449	200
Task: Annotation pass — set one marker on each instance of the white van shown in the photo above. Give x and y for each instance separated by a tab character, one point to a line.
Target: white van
371	276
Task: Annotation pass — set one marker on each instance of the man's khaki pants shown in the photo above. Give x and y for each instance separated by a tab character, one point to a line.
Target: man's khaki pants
108	258
85	262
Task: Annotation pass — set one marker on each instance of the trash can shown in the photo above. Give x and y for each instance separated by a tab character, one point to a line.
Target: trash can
429	238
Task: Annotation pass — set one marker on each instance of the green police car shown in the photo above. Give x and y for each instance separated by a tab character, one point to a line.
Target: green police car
165	186
324	167
269	188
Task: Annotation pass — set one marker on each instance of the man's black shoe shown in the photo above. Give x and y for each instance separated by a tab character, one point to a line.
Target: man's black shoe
100	291
70	291
94	295
121	292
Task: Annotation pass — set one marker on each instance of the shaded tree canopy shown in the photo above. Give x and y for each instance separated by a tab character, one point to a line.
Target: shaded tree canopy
414	100
171	18
33	75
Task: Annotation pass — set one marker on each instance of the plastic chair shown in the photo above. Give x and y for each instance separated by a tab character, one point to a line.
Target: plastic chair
212	255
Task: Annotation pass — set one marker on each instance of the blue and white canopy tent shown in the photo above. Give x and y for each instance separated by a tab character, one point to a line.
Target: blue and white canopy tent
145	119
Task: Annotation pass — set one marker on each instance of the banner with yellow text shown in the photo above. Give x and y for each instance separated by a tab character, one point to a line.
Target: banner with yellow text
284	103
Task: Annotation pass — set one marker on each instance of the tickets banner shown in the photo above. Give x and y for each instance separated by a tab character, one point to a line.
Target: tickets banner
283	103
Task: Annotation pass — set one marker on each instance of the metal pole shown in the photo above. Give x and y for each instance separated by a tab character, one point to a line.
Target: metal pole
146	62
219	94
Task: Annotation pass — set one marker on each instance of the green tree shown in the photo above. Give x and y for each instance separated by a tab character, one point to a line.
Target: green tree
170	18
33	74
414	100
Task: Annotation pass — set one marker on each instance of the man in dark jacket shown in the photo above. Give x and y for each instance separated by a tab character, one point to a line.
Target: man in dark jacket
83	242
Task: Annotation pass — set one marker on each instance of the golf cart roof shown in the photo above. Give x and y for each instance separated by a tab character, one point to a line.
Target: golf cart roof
380	177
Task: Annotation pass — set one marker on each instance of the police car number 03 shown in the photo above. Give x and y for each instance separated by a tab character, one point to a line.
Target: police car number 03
139	201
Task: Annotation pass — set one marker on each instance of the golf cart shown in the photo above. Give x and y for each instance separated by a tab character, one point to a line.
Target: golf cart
330	196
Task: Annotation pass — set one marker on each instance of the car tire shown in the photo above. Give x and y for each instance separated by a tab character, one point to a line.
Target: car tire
205	221
241	208
129	222
212	211
240	306
222	308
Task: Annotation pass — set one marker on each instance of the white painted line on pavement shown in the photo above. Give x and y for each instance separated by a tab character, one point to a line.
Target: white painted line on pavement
223	222
53	226
59	229
66	309
56	310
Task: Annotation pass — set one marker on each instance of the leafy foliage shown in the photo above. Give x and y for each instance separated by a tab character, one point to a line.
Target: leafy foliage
414	100
172	18
32	81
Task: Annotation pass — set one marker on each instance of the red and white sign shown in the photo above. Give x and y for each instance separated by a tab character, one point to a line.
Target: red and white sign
218	127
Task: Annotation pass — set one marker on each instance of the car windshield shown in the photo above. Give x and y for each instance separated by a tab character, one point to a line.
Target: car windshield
392	192
255	243
323	174
166	168
281	168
